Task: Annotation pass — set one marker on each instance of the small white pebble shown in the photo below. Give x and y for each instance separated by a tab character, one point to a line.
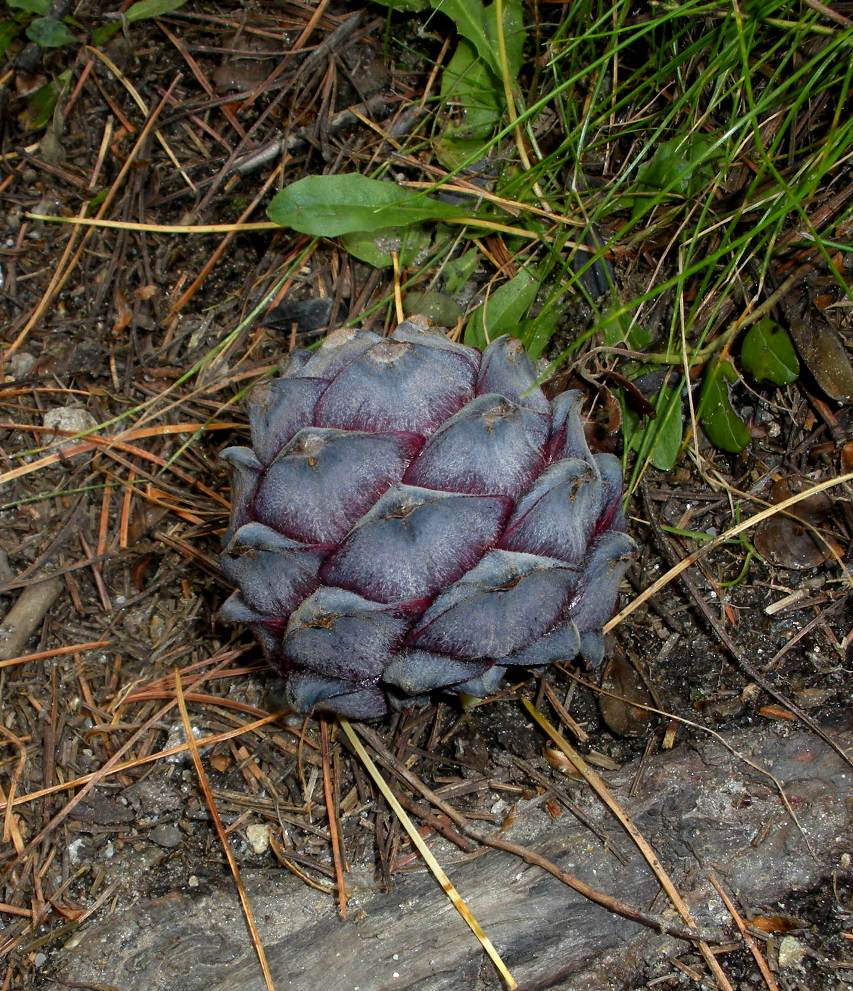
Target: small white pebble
258	835
21	364
75	850
70	419
791	952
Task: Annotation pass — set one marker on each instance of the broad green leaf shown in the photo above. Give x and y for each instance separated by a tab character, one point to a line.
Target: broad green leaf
331	205
144	10
632	425
767	353
413	245
615	326
471	84
31	6
477	24
667	429
48	32
513	35
405	6
467	83
41	104
454	153
658	439
503	310
724	427
639	337
375	248
473	99
102	34
459	270
469	16
536	334
9	30
441	309
679	167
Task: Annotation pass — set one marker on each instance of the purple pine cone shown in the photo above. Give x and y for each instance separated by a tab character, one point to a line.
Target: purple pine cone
414	515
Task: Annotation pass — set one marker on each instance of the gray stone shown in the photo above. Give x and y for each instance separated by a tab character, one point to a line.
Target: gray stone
166	835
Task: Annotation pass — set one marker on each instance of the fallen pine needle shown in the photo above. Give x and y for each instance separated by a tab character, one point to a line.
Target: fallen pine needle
331	817
281	856
426	853
7	909
701	728
143	106
223	838
257	225
132	225
74	252
44	655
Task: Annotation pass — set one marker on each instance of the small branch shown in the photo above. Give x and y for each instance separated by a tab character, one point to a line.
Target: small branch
21	621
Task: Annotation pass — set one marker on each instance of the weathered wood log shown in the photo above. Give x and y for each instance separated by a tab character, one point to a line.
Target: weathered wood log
701	808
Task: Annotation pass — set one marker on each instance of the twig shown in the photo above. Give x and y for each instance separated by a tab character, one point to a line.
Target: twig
143	106
560	795
777	784
377	107
25	615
